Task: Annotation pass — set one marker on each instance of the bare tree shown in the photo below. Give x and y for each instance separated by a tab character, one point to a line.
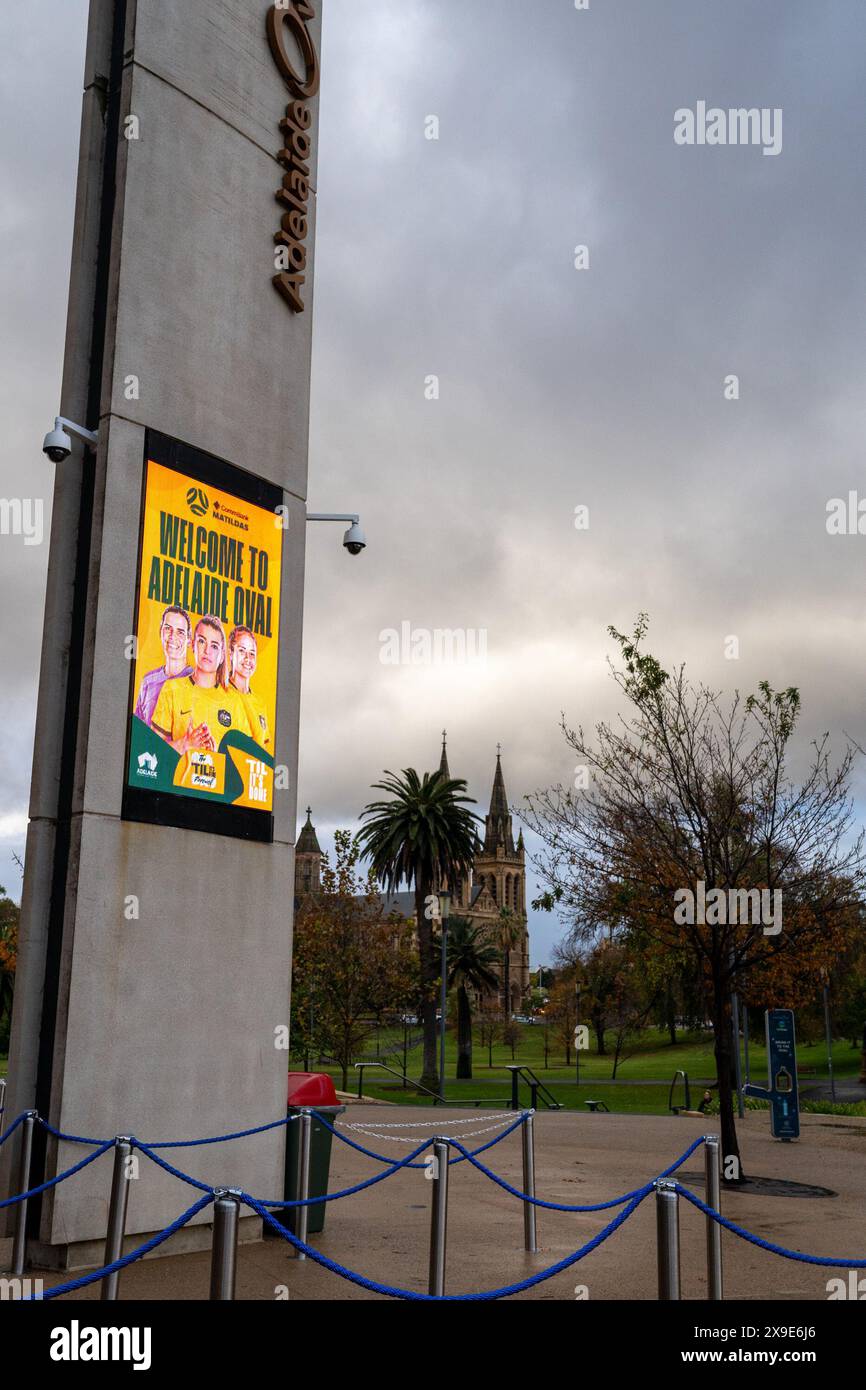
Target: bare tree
690	797
490	1025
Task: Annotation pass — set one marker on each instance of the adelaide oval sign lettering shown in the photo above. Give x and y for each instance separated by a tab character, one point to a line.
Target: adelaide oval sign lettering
291	19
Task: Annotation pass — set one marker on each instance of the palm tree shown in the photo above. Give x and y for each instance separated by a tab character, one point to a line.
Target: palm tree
425	836
510	934
471	962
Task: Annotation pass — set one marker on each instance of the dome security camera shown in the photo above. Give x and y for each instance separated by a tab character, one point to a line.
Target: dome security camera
354	540
58	445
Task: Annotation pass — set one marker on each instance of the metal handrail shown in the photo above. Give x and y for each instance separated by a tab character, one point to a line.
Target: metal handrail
536	1087
416	1085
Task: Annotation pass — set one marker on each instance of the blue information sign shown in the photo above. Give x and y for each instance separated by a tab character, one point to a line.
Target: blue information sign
781	1090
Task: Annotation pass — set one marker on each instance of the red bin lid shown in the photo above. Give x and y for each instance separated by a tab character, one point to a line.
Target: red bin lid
308	1088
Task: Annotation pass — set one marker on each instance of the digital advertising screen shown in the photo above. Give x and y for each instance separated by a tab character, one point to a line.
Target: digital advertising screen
203	703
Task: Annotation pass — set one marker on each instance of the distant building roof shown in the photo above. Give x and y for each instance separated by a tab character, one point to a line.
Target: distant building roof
404	903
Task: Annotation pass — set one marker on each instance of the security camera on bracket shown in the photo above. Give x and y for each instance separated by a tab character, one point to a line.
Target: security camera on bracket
58	444
354	540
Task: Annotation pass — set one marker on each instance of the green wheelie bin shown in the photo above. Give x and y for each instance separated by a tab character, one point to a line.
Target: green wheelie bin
309	1091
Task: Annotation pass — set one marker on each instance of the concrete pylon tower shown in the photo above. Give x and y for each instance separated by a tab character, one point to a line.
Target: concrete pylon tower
155	957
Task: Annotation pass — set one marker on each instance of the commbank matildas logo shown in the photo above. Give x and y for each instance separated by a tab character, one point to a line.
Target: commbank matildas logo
197	501
147	765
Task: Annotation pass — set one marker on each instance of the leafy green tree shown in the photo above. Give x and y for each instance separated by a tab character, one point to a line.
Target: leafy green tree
848	988
351	963
561	1013
472	965
423	836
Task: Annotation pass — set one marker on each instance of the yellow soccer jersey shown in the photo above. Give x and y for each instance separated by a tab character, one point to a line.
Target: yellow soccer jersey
257	715
181	700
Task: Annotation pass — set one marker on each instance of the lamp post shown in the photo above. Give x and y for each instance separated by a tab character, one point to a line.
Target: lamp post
444	912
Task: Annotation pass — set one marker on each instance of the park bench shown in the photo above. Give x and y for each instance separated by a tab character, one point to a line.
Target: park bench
597	1106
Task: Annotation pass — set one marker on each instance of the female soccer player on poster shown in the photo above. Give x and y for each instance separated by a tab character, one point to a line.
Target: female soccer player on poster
243	659
193	713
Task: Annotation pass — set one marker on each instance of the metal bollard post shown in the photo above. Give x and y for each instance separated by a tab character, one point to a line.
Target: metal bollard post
117	1215
668	1231
303	1213
2	1105
224	1255
529	1230
712	1162
439	1217
19	1245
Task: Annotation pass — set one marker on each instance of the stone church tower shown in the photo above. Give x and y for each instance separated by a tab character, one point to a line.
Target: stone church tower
498	883
308	861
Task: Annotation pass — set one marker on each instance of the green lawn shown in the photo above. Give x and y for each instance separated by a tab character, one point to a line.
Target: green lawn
643	1076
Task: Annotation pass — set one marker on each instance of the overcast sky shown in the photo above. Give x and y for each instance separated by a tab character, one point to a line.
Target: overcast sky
558	388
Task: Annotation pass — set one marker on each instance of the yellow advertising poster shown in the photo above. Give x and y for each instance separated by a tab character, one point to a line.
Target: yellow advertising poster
203	719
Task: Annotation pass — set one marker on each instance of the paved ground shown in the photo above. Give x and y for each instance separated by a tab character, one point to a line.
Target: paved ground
384	1232
848	1091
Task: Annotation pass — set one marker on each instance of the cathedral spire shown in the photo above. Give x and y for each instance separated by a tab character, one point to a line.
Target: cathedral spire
443	766
498	832
307	840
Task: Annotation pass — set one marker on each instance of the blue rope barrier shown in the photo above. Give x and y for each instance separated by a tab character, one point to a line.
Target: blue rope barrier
562	1206
359	1187
383	1158
298	1202
489	1295
175	1172
69	1138
172	1144
409	1162
14	1125
127	1259
766	1244
245	1133
61	1177
225	1138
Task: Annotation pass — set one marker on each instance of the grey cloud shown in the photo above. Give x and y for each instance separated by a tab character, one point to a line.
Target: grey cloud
558	387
